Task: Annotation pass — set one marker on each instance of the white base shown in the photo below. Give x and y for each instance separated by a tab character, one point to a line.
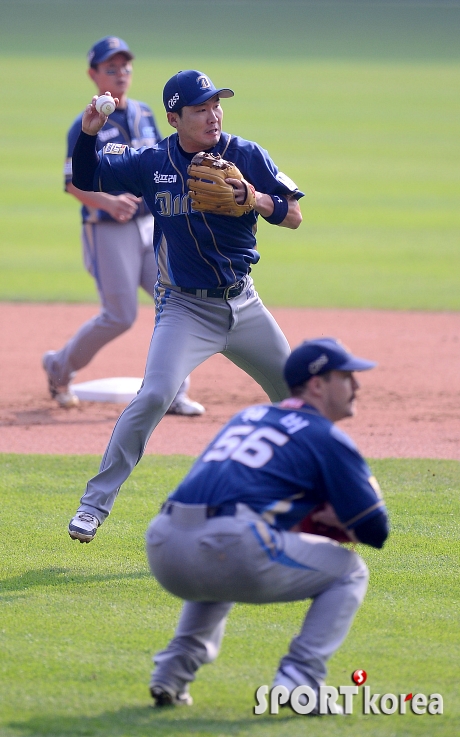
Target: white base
116	389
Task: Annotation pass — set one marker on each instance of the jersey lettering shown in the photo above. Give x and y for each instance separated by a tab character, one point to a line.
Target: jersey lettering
164	200
227	443
179	205
294	422
253	451
254	414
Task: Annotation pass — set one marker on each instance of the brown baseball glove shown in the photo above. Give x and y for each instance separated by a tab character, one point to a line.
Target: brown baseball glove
208	190
317	522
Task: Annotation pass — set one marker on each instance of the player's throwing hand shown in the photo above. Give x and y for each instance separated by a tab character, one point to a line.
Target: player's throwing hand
92	121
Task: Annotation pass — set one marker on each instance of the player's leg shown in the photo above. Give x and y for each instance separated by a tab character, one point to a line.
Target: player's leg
187	332
197	641
260	564
336	600
113	255
182	404
256	344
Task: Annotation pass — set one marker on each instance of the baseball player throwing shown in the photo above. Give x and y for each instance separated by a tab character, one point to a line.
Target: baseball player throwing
225	535
205	298
117	231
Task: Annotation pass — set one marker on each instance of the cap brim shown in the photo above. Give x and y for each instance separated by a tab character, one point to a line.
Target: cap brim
224	92
356	364
109	55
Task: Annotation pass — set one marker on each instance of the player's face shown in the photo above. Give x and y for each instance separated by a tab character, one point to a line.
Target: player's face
339	394
199	126
113	75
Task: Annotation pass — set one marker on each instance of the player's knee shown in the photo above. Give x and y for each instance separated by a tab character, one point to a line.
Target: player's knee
118	318
155	400
358	576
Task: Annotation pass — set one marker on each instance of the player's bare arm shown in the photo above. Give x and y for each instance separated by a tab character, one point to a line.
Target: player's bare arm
121	208
264	204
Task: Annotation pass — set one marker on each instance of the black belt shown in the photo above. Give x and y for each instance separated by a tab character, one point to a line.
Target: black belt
219	293
222	510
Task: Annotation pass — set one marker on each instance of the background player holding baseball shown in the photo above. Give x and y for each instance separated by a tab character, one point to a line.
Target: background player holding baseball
205	299
225	534
117	231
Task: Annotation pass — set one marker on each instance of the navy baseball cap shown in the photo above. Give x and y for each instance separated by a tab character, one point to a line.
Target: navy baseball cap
318	356
107	47
190	88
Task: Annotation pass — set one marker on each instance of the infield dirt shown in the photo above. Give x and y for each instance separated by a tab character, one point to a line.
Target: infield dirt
409	406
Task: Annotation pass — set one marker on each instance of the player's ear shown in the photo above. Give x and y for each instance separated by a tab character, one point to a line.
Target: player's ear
315	386
172	119
92	74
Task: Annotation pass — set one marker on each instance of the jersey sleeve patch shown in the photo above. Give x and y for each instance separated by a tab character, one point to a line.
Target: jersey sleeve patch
284	179
68	168
343	438
114	148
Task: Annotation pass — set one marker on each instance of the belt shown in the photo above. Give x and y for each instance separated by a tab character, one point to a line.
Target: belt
219	293
222	510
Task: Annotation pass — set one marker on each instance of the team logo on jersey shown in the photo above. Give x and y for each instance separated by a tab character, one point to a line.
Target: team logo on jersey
203	82
115	148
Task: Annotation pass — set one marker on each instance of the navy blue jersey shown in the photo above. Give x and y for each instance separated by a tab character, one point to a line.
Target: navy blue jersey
193	249
282	460
134	126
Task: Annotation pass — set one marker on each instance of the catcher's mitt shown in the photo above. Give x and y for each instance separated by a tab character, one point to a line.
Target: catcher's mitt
209	192
316	527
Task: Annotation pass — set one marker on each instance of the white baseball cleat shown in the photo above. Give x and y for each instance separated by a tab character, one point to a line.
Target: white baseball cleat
185	406
164	696
83	527
290	677
63	395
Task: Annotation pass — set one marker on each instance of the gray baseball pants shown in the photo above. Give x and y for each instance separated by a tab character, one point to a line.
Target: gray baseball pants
188	330
121	259
212	563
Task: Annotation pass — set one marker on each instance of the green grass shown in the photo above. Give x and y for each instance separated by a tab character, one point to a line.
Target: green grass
357	101
80	622
325	29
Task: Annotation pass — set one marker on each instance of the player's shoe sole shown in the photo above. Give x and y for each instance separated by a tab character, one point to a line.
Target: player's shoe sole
83	527
164	697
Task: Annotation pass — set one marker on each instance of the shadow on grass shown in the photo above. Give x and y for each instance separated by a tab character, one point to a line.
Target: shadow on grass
61	577
138	722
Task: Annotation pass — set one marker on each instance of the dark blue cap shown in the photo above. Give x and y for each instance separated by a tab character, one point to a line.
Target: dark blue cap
107	47
190	88
318	356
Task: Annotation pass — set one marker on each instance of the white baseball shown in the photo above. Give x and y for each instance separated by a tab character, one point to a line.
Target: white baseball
105	104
